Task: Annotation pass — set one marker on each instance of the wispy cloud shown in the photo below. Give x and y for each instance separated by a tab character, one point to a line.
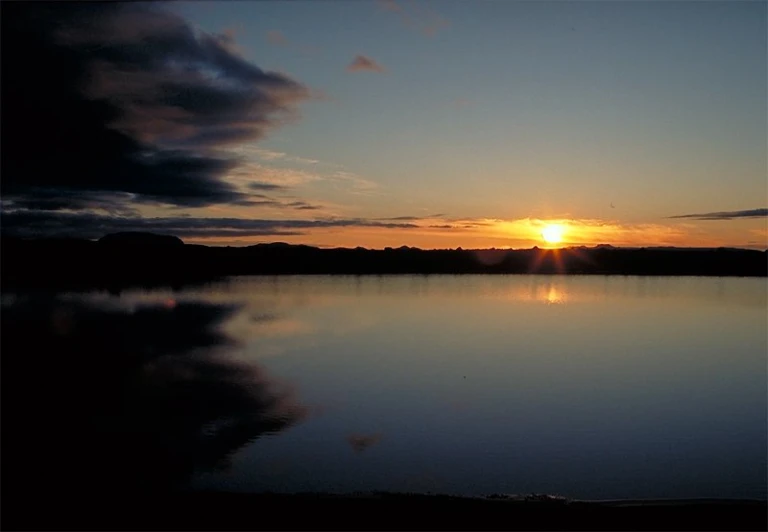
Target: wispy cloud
362	63
269	155
282	171
254	153
354	183
415	16
303	206
276	38
257	176
726	215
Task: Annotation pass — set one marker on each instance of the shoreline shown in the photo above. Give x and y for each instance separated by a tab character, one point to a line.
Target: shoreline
221	510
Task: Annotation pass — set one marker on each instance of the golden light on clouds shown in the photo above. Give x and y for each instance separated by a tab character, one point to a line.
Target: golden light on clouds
529	232
479	233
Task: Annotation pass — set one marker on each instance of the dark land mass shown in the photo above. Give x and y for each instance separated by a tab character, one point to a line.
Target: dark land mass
382	511
140	258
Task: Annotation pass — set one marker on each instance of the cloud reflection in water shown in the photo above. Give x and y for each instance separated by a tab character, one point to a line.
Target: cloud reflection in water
128	399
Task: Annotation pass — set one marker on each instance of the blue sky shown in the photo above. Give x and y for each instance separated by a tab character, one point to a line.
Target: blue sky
614	115
514	109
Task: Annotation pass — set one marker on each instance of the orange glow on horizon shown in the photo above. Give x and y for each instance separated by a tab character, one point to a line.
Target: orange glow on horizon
522	233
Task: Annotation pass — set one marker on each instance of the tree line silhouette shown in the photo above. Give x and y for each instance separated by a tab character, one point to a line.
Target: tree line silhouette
142	258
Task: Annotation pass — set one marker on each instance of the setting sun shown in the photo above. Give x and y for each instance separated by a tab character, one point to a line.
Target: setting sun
552	234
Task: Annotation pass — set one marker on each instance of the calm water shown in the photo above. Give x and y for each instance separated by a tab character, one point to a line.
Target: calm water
586	387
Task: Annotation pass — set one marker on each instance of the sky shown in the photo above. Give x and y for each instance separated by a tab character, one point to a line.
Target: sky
386	123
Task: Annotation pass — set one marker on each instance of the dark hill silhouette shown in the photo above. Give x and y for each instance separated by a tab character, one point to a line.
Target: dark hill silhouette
140	258
141	240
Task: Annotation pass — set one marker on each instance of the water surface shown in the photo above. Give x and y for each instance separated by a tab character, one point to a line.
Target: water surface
586	387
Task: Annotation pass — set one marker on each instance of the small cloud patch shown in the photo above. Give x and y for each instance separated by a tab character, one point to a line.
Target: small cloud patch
362	63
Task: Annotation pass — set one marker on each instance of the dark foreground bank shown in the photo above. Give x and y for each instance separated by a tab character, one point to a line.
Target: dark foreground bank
229	511
131	258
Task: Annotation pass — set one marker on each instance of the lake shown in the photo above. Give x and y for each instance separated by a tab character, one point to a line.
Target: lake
588	387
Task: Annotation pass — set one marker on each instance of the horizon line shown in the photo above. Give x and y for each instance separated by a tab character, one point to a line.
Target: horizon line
387	248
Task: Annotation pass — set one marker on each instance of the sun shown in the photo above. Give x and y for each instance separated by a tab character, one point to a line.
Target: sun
552	233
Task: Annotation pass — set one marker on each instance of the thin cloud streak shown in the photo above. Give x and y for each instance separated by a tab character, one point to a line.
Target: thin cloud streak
264	176
265	186
90	226
726	215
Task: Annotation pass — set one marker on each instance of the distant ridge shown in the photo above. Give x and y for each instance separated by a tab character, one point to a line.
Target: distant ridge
139	239
129	258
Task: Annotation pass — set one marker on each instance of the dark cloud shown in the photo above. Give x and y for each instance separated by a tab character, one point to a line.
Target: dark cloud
89	225
55	200
261	203
361	442
104	100
303	206
267	202
362	63
261	200
265	186
726	215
